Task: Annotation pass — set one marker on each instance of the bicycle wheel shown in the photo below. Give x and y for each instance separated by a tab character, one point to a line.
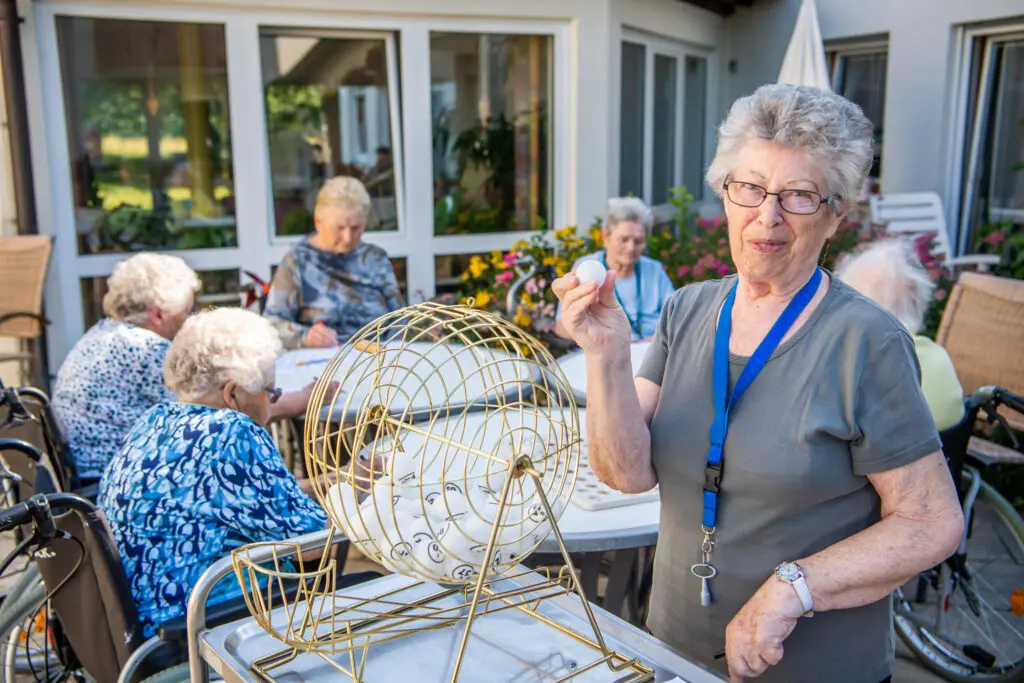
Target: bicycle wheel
959	623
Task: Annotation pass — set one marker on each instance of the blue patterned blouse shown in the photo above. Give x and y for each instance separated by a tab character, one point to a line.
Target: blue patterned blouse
343	291
111	377
190	484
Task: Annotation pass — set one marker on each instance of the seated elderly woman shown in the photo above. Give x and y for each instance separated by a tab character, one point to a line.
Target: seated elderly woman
781	414
641	285
889	273
332	283
114	373
197	478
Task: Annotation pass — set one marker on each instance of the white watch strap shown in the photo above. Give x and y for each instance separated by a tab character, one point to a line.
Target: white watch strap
804	593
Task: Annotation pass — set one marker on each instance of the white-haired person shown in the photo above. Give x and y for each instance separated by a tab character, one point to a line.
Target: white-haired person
198	477
781	415
889	273
332	283
641	285
114	373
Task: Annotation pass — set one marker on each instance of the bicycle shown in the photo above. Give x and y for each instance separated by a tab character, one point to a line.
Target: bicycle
963	619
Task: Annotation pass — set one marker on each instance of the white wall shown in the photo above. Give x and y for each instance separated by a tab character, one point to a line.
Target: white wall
919	102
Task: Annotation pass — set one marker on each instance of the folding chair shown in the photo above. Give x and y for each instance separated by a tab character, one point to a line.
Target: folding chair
24	260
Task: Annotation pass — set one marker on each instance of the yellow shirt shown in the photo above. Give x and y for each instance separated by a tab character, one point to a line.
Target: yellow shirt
939	382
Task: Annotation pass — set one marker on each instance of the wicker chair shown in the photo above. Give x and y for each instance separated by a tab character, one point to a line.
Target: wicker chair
982	329
24	260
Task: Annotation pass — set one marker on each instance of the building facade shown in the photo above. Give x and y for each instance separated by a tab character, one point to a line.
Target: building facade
205	128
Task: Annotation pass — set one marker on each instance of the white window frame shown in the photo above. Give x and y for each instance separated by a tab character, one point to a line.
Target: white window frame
258	248
960	203
653	46
836	54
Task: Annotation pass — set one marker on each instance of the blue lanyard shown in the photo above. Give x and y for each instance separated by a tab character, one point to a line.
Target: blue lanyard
635	324
720	382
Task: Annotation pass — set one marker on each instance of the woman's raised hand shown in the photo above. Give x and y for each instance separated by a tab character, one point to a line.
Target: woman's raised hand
320	336
592	315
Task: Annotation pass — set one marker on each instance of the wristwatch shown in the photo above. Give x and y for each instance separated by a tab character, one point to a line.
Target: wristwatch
791	573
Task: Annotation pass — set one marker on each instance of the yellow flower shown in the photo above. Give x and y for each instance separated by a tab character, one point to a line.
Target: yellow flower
562	267
495	257
565	233
550	260
477	266
464	276
525	299
483	298
522	319
595	235
521	245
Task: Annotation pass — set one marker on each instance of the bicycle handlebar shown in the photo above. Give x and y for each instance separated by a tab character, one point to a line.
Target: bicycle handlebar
39	509
22	447
998	395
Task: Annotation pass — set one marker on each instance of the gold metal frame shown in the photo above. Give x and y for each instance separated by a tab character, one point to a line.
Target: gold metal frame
536	408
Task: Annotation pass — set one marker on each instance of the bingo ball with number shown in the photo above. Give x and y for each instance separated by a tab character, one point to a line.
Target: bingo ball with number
448	476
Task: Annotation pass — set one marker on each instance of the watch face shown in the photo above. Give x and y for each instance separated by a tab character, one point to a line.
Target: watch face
787	571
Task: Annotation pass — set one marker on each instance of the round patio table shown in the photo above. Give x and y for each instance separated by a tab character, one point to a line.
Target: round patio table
574	365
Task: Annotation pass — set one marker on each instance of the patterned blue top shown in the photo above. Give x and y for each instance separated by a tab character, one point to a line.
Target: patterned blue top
111	377
655	289
344	291
190	484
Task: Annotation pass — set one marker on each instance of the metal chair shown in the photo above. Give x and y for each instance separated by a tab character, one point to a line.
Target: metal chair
24	260
920	213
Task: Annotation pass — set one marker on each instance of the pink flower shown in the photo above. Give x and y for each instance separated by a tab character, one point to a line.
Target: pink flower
504	277
721	241
542	283
698	271
723	269
703	223
941	294
996	238
531	286
683	271
509	258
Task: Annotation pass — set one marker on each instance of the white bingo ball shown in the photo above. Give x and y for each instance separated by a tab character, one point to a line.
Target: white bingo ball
591	271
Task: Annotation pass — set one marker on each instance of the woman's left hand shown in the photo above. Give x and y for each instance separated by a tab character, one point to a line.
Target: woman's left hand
753	639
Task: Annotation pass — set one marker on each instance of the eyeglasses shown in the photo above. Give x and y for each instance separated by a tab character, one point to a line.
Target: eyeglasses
749	195
274	393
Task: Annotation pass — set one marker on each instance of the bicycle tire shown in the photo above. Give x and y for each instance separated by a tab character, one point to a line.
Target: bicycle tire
911	633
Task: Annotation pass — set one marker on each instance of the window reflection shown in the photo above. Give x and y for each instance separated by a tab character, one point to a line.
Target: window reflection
491	109
149	133
328	114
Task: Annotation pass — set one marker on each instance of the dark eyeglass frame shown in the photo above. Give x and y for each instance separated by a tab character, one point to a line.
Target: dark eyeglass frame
274	393
781	194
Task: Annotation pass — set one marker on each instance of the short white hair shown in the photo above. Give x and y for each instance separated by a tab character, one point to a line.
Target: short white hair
889	273
220	345
830	129
147	281
344	193
626	210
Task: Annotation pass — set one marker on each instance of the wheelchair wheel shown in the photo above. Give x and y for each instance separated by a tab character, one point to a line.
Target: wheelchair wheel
176	674
28	646
980	638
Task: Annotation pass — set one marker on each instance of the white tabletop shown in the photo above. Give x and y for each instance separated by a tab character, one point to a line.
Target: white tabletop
627	526
414	378
574	365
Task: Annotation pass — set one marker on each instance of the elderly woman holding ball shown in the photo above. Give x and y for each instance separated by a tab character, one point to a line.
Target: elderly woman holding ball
781	414
641	285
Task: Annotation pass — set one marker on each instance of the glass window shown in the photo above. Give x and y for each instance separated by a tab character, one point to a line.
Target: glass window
491	113
631	133
328	113
665	94
861	79
448	268
1005	143
694	116
149	134
220	288
400	266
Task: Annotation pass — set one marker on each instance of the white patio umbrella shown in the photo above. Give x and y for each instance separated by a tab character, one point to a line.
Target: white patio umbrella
804	63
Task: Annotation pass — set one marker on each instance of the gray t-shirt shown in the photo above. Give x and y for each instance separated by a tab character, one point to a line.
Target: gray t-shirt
839	400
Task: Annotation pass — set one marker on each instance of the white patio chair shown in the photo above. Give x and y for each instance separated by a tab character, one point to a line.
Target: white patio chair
920	213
